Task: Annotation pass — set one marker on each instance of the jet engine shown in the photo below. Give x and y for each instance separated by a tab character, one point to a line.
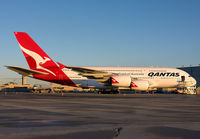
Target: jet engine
126	81
120	81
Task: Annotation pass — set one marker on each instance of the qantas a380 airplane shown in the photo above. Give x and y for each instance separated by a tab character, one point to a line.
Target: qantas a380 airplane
103	78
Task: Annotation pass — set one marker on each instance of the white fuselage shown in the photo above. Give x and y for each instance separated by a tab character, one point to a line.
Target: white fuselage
156	77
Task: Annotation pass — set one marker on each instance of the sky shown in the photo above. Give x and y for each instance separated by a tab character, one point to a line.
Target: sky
158	33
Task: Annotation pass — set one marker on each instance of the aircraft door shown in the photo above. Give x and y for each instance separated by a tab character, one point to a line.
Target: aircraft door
182	78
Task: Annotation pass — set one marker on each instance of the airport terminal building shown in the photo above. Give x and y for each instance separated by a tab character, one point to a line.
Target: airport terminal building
194	72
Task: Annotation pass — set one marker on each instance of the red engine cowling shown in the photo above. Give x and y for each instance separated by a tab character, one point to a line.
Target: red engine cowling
140	85
121	81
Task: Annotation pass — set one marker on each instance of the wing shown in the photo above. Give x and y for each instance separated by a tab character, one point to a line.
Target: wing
25	72
101	76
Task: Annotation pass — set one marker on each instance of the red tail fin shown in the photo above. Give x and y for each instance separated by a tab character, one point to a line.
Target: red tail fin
40	61
35	56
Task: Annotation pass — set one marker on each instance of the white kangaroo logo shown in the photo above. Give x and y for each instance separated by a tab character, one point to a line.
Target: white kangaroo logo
45	60
38	59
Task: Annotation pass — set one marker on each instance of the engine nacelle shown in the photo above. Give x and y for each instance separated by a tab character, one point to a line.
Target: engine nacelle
121	81
125	81
140	85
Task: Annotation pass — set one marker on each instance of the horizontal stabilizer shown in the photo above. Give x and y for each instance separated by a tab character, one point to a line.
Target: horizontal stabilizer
25	72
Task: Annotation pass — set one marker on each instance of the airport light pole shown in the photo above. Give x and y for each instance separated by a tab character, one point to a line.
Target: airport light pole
23	80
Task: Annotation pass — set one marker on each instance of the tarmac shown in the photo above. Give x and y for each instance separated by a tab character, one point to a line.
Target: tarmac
92	116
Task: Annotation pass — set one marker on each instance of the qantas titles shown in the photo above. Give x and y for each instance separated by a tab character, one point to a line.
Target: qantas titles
164	74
